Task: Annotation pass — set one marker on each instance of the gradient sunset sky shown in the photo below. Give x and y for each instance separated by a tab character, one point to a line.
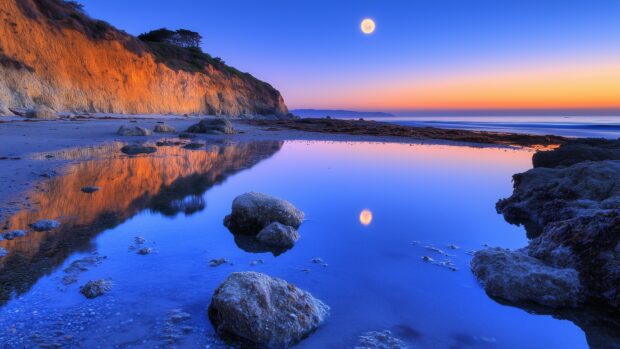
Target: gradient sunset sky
431	54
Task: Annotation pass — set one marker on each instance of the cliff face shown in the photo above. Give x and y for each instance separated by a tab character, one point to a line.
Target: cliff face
54	55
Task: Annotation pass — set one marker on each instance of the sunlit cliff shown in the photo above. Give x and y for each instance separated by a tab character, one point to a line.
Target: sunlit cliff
53	54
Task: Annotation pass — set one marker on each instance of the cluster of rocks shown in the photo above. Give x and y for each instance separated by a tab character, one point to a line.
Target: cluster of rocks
218	125
569	204
256	309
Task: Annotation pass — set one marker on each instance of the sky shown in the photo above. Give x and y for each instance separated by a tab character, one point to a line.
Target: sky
423	55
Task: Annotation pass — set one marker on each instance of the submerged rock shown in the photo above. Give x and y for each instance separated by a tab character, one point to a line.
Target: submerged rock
79	266
133	131
516	277
219	125
217	262
14	234
45	225
135	149
90	189
379	340
144	251
96	288
193	146
164	128
278	235
266	311
251	212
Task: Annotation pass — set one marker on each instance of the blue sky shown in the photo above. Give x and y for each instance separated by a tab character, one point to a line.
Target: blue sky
315	54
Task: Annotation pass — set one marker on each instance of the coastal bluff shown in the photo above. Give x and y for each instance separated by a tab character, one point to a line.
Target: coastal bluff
55	56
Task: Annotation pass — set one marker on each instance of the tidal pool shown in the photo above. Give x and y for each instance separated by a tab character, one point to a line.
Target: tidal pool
373	210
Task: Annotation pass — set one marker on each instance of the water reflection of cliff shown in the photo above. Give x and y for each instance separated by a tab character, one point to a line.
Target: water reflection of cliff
171	181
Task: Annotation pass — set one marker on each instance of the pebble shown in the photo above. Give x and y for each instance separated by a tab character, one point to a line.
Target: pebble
217	262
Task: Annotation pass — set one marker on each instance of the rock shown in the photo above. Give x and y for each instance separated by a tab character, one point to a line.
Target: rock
266	311
133	131
90	189
96	288
516	277
177	316
135	149
379	340
163	128
139	240
545	195
578	151
251	212
79	266
144	251
187	136
3	252
217	262
41	112
14	234
220	125
317	260
278	235
193	146
45	225
257	262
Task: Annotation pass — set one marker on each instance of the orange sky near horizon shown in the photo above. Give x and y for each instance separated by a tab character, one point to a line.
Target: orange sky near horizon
582	85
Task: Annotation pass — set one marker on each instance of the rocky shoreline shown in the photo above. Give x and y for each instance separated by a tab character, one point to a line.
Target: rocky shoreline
569	204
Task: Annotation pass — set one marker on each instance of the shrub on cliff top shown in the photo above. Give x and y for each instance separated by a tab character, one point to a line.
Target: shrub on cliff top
182	37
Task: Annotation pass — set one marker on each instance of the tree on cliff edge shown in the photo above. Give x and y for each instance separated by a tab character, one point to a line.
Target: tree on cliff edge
182	37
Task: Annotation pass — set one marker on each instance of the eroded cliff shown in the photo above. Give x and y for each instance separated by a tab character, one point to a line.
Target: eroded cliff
53	54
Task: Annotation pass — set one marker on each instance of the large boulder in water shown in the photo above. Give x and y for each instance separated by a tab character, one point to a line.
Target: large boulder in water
251	212
518	278
265	311
213	125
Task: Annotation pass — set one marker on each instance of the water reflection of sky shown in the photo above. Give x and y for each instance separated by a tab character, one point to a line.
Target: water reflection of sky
418	195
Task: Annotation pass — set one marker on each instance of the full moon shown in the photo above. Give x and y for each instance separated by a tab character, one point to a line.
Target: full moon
366	217
368	26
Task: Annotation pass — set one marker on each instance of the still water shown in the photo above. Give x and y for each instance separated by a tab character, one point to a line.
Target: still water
373	211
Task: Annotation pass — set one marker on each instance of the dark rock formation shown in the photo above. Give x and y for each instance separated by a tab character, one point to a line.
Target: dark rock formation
571	209
268	312
578	151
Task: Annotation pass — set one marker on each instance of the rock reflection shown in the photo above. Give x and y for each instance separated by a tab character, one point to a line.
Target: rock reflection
170	182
